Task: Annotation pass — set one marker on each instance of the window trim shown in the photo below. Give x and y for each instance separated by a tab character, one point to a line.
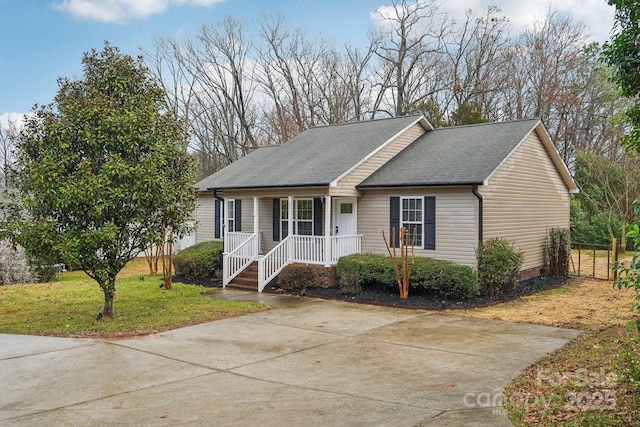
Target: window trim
419	238
428	220
284	217
230	216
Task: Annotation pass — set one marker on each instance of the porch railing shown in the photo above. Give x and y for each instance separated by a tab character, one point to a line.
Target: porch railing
344	245
239	258
304	249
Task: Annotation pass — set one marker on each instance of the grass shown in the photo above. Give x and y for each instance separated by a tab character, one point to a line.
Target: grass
69	305
592	381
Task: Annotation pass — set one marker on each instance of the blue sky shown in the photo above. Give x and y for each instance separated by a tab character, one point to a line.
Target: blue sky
41	40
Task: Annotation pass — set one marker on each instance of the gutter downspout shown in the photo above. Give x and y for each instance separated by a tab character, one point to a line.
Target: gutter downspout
215	196
474	190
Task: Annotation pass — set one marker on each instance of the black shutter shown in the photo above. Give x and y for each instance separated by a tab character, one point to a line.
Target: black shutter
317	216
237	220
394	226
218	220
429	222
276	220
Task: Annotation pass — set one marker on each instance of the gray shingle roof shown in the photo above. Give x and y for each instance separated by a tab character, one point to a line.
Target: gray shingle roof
450	156
315	157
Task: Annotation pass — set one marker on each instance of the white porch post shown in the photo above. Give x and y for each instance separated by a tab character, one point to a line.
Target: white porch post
290	227
225	247
256	231
223	225
290	217
256	220
327	231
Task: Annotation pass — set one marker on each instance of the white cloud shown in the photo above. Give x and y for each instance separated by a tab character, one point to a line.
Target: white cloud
14	118
596	15
118	11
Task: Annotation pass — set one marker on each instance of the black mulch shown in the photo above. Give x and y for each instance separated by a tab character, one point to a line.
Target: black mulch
390	296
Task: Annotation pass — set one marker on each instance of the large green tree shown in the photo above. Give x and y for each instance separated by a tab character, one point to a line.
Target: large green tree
622	52
102	172
608	189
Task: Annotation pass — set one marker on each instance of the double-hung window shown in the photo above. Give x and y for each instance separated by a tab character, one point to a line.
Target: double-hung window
231	215
302	217
418	215
412	218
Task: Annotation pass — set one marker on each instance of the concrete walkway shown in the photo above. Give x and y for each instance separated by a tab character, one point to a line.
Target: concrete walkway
308	362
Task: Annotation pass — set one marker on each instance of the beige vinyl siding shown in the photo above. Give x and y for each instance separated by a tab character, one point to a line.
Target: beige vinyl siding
266	225
346	185
205	217
456	222
247	215
524	198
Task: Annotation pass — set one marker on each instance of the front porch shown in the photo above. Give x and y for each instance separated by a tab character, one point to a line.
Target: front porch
302	239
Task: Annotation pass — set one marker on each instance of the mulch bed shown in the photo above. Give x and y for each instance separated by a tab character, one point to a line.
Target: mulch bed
390	296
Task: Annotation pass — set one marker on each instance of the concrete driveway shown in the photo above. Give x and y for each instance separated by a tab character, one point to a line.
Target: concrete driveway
308	362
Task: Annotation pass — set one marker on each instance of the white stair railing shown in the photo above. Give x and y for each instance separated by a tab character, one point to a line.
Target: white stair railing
240	258
272	263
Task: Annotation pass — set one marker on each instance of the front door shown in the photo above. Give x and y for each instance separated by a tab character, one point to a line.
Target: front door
345	216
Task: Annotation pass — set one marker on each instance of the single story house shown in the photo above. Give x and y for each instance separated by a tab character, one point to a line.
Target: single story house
331	190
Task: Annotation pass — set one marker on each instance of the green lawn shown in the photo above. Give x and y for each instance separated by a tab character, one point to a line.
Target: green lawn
69	305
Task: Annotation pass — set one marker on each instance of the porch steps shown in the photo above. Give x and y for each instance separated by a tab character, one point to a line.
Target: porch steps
247	279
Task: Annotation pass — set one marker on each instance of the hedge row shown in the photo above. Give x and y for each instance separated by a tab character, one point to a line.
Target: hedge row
200	261
442	278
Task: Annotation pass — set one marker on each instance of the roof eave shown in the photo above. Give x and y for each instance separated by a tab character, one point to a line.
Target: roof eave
420	184
262	187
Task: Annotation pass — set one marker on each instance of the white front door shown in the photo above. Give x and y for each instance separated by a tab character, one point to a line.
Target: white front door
345	216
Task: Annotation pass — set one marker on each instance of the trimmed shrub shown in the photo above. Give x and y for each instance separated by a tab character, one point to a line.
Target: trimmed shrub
367	270
350	283
442	278
201	261
296	277
498	265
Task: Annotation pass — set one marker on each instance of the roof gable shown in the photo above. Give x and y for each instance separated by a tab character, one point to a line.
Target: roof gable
315	157
462	155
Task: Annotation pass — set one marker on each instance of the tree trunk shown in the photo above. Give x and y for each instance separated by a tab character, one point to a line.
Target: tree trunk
167	267
107	311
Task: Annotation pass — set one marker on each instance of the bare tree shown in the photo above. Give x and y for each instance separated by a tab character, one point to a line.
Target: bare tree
409	44
288	64
593	116
237	92
540	65
474	56
210	84
7	143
